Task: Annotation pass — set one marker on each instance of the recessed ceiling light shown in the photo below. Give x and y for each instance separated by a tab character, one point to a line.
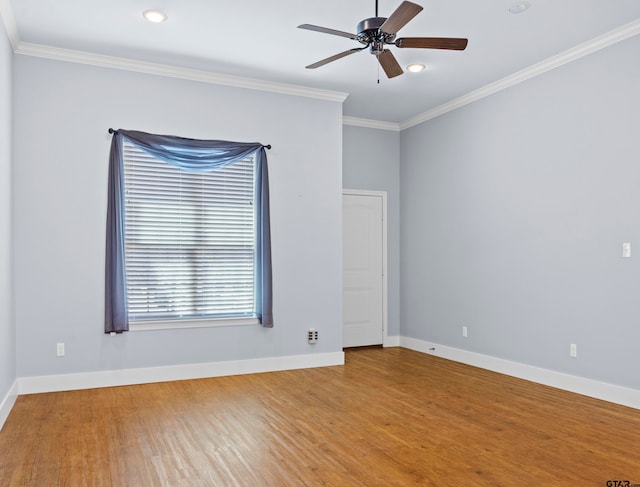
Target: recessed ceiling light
415	68
519	7
154	16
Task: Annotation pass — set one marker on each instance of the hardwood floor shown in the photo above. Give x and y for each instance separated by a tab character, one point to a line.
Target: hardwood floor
389	417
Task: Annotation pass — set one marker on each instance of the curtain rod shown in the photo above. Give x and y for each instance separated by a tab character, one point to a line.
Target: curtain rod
113	131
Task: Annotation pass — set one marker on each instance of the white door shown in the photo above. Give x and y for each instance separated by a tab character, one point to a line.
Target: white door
363	307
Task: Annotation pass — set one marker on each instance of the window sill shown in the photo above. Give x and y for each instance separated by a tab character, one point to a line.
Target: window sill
181	324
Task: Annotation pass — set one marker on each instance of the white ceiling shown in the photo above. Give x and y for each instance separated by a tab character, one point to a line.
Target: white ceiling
258	39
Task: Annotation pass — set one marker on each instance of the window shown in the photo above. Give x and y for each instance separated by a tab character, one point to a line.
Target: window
189	239
188	234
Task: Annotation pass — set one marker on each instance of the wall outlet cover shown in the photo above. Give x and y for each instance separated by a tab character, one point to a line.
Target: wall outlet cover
573	350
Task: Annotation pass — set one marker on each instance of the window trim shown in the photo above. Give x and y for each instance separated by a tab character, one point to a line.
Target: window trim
143	178
186	324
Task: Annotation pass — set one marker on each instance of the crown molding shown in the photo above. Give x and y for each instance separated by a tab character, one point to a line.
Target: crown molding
371	124
605	40
9	21
125	64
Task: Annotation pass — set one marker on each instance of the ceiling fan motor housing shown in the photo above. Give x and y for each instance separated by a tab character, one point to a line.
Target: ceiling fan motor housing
369	33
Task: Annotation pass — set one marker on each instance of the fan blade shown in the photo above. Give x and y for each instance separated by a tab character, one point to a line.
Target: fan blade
324	30
335	57
452	43
388	62
398	19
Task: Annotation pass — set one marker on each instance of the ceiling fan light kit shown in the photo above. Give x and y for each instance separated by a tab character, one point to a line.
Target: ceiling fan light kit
377	32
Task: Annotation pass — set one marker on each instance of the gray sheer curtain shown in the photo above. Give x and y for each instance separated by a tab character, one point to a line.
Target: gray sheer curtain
195	156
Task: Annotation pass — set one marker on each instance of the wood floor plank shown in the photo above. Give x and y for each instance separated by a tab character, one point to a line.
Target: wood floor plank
389	417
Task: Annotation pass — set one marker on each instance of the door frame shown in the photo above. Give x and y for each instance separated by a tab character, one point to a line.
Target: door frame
385	297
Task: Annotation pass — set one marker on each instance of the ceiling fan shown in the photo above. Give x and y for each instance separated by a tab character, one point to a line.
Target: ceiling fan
377	32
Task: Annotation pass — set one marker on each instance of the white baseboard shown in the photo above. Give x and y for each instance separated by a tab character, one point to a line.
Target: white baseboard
110	378
391	341
587	387
7	403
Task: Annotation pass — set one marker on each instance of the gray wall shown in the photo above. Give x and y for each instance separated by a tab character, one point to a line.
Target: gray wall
514	210
62	113
371	161
7	325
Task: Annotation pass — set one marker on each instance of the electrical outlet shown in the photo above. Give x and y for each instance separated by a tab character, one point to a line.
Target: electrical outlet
573	350
313	335
465	332
60	349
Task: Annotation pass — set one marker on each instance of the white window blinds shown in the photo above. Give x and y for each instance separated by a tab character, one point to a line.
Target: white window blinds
189	239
